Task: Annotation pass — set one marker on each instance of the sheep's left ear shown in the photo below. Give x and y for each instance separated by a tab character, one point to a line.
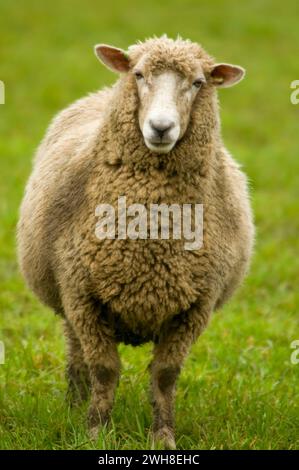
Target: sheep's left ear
115	59
226	75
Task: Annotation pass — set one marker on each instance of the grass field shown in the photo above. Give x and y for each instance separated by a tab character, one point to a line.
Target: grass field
238	389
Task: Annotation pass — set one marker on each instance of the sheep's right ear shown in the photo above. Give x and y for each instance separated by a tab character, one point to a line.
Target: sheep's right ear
115	59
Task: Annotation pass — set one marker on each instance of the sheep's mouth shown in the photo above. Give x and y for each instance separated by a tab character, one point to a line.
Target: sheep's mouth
159	147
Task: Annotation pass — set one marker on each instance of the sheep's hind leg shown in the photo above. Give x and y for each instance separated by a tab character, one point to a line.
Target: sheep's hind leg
169	353
77	371
100	354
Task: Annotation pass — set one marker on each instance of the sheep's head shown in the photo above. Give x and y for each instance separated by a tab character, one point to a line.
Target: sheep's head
170	76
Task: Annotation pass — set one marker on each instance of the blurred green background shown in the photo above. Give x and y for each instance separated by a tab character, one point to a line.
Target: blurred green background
238	389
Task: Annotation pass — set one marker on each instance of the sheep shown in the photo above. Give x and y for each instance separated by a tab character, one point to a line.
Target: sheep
153	137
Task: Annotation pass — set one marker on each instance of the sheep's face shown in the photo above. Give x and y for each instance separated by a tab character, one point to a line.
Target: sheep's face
165	102
169	78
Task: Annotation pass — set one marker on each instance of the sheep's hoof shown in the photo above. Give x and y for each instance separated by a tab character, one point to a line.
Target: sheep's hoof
164	438
94	433
97	421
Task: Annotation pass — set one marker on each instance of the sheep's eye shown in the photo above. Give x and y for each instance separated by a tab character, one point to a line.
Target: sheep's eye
138	75
197	83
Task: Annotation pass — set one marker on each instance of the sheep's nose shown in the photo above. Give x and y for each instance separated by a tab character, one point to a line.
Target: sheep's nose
161	127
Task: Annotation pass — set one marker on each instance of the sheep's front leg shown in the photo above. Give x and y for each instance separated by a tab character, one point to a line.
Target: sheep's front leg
169	353
100	354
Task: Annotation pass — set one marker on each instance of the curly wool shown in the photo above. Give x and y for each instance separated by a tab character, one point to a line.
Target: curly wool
133	290
82	163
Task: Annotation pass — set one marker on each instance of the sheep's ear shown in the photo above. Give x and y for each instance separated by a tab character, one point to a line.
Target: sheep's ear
115	59
226	75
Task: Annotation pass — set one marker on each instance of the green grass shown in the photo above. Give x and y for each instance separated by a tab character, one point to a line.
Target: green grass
238	389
